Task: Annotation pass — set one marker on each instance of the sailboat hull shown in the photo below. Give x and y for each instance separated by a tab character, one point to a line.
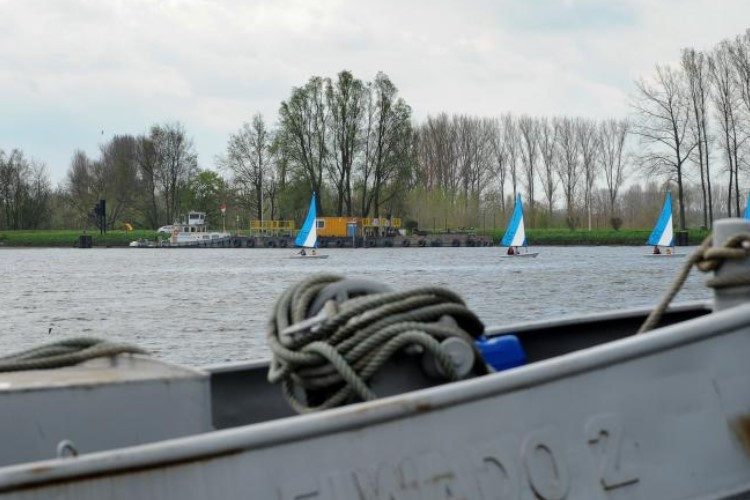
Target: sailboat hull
308	256
665	255
532	254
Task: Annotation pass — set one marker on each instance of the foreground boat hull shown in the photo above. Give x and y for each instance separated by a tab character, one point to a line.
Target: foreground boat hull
660	415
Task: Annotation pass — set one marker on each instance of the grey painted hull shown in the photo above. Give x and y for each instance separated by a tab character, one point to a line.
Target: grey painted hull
655	416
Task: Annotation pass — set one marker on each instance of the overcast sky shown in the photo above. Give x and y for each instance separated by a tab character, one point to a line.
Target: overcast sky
74	73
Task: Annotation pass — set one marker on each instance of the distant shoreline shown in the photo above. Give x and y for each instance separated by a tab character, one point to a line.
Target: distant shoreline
534	237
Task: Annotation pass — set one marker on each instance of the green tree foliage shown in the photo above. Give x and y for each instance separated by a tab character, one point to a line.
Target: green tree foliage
303	133
205	193
345	99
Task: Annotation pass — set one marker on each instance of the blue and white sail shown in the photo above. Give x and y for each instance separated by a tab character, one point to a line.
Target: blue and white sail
662	235
308	235
515	234
747	207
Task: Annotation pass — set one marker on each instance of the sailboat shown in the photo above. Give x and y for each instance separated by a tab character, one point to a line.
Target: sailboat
663	235
515	235
308	235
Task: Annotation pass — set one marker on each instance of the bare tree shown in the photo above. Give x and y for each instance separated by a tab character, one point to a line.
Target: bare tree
588	144
473	151
664	113
612	134
740	54
725	99
569	169
511	141
528	128
80	188
549	153
38	204
500	156
176	164
117	176
24	192
146	159
438	153
247	158
695	68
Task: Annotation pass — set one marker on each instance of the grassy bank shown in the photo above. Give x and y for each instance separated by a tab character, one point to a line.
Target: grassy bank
597	237
69	238
536	237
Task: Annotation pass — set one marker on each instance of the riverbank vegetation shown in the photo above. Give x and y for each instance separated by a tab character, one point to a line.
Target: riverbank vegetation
69	238
356	144
537	237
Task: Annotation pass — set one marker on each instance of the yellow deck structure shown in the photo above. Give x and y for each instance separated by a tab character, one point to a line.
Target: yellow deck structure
331	227
272	227
338	227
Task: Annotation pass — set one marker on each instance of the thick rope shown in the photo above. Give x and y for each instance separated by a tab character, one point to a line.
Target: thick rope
64	353
706	258
356	338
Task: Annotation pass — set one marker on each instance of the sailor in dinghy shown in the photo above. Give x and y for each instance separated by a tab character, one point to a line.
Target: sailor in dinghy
515	235
308	235
663	235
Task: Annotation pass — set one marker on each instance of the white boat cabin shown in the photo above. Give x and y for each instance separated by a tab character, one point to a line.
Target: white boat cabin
193	229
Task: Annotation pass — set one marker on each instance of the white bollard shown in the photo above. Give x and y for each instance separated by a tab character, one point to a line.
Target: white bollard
724	298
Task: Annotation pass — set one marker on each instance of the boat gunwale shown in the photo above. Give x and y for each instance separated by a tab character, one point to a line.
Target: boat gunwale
214	444
577	319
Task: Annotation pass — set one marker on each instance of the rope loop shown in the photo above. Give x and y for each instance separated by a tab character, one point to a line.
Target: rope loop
711	258
64	353
328	359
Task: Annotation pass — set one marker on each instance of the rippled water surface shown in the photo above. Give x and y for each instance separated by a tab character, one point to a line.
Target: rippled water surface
202	306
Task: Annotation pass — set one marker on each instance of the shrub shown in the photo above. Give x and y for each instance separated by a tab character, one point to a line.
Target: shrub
411	225
616	223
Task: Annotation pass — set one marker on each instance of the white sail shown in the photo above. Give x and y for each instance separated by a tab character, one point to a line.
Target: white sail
667	236
312	237
308	235
515	235
662	235
519	238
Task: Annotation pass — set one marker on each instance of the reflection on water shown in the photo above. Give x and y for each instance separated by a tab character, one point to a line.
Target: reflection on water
201	306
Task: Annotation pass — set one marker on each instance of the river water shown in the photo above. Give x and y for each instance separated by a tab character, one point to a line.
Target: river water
205	306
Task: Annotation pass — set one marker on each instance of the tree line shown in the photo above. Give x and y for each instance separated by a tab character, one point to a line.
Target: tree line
356	145
693	116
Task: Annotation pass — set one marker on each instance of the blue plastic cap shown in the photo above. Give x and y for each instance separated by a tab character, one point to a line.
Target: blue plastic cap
502	352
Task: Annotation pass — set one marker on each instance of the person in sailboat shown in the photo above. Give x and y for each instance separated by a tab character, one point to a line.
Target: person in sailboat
302	252
511	251
314	252
656	250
